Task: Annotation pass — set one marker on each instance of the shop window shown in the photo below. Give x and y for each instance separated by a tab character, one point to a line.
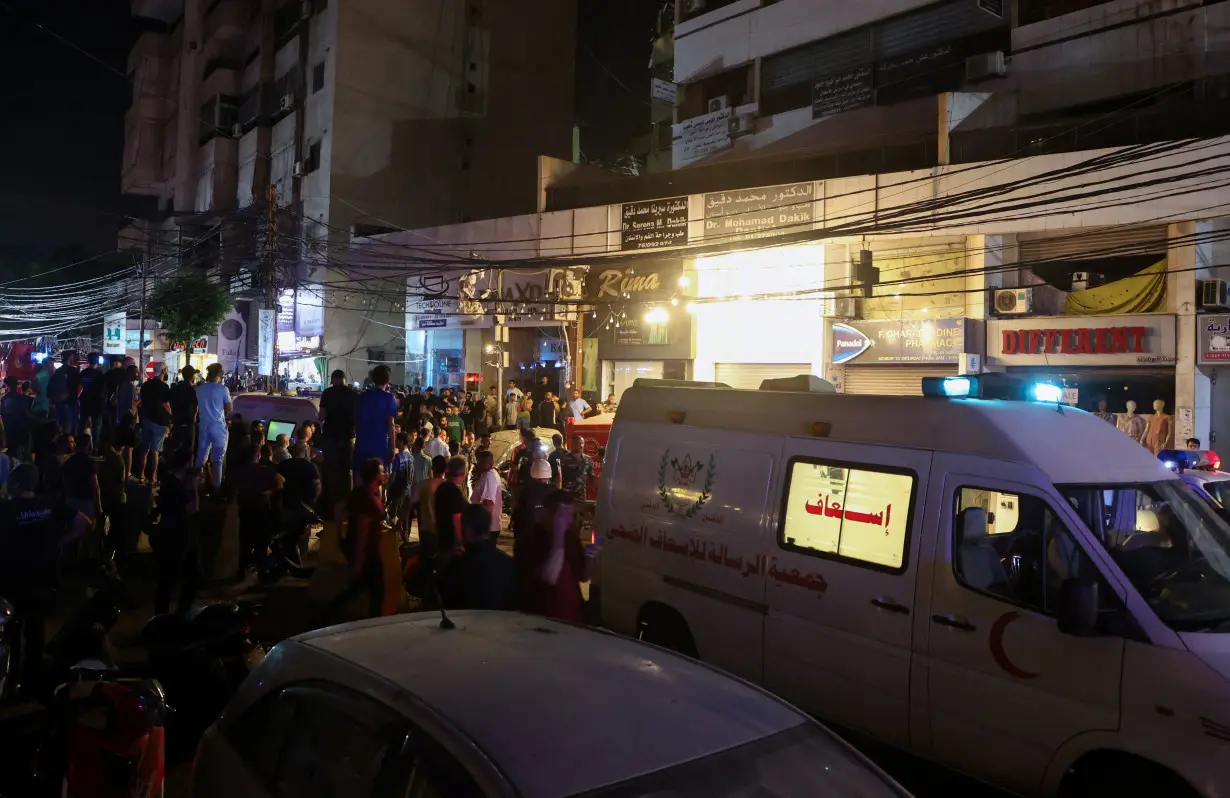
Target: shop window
860	514
1016	548
733	88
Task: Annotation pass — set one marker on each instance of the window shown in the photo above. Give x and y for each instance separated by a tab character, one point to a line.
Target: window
313	158
1015	547
857	513
318	77
1169	542
328	752
257	734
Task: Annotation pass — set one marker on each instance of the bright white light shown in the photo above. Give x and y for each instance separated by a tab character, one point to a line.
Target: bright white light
691	307
683	282
958	386
657	316
490	348
1045	392
39	357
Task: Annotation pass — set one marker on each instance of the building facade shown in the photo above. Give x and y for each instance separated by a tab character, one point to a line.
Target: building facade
353	116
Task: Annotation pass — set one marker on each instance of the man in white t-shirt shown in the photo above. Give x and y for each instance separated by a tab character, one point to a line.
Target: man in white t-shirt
438	445
487	490
213	402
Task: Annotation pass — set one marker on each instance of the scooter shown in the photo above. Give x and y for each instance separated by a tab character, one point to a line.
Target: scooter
107	739
284	558
201	658
8	646
85	636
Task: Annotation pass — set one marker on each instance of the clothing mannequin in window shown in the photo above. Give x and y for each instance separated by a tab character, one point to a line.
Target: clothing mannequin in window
1160	428
1100	412
1132	425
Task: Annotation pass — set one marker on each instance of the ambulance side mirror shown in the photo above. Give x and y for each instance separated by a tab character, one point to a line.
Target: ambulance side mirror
1078	608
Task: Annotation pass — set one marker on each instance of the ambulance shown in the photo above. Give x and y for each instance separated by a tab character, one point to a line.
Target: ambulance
982	576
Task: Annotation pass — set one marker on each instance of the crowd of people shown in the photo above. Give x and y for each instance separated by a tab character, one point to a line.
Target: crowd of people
76	444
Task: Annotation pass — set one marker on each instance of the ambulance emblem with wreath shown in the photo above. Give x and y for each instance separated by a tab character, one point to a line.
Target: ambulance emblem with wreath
677	481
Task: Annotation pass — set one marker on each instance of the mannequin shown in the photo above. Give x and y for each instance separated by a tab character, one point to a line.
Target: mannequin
1132	425
1101	413
1160	428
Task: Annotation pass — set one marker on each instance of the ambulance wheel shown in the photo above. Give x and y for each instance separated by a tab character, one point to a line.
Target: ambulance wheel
1107	773
663	626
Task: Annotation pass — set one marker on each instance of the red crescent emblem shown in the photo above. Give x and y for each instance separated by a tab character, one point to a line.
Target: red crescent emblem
997	647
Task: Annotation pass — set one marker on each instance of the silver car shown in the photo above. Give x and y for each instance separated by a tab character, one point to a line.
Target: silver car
511	705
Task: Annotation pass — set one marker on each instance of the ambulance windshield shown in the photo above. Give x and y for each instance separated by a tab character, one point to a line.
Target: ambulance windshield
1169	542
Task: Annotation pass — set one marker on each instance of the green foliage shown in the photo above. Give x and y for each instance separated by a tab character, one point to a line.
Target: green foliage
188	306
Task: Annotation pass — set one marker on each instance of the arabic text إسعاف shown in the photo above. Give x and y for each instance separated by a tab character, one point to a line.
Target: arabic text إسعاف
832	509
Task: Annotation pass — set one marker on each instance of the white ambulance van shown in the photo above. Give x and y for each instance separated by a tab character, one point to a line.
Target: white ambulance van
1013	589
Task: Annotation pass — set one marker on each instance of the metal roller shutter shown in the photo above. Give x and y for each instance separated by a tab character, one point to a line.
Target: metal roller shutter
892	380
1104	242
748	376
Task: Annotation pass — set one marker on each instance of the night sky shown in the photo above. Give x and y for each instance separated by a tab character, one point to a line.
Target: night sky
61	140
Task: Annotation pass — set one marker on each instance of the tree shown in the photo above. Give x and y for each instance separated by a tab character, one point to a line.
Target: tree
188	306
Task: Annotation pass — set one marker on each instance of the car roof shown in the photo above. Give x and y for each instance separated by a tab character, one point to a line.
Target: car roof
541	697
1068	445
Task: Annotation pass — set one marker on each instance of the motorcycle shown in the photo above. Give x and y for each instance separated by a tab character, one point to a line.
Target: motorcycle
107	738
201	658
284	558
8	629
85	636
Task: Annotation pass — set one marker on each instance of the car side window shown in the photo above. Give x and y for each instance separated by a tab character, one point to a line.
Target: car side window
1013	546
329	752
257	735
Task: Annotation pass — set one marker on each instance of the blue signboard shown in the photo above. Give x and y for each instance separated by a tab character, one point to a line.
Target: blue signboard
903	341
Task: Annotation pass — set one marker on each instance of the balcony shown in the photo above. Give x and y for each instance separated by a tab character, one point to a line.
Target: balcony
165	11
221	76
225	19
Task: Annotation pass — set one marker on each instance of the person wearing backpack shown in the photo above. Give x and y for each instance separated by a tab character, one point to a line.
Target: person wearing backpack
62	392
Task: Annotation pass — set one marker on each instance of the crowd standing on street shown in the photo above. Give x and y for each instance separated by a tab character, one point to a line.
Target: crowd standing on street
78	444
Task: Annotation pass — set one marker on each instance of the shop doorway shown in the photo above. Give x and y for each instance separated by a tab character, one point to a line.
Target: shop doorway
748	376
1116	386
618	375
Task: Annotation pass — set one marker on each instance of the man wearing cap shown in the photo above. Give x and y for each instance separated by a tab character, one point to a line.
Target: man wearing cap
213	401
184	409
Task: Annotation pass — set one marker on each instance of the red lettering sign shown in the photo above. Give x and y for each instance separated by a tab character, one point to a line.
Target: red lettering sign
1076	341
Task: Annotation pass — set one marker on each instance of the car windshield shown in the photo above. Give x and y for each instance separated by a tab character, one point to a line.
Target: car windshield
1170	543
1219	489
801	762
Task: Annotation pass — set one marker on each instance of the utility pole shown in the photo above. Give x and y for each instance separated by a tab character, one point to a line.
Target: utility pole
271	277
141	333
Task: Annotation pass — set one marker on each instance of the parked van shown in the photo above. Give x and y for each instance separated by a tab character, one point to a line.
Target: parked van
1013	589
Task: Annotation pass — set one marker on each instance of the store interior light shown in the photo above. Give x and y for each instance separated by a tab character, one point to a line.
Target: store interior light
691	307
657	316
683	282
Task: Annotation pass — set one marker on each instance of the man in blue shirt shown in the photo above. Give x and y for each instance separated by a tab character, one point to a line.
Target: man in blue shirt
375	413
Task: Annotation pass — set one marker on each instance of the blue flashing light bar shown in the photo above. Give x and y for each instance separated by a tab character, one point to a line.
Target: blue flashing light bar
992	386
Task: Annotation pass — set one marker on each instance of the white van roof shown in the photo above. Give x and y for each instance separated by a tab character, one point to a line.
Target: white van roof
1071	446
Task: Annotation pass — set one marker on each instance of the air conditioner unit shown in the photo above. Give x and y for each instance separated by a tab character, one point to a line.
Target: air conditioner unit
287	103
743	124
718	103
298	170
236	131
1214	295
845	307
1080	281
1014	301
694	6
987	66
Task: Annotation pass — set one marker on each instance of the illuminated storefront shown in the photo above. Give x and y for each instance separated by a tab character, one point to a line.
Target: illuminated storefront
759	315
643	329
891	357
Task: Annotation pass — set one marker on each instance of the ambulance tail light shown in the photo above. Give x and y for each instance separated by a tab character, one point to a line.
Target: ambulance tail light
1180	460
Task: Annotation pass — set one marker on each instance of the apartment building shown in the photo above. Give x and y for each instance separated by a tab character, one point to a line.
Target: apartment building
362	115
773	91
